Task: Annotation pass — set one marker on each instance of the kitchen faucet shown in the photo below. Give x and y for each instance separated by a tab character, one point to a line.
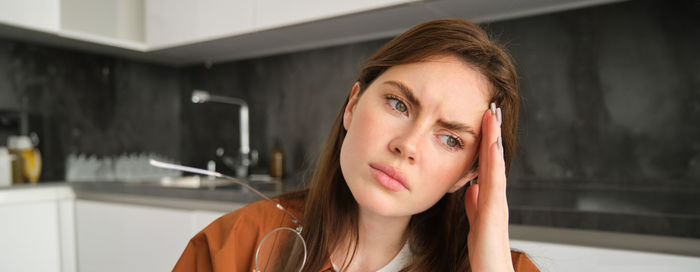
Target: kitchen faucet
246	156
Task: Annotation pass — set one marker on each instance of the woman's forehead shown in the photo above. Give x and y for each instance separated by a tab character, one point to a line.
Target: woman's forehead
446	83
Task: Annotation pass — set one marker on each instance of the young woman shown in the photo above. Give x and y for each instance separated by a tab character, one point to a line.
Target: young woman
395	189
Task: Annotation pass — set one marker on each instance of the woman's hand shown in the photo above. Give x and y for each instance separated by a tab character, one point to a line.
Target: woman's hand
485	202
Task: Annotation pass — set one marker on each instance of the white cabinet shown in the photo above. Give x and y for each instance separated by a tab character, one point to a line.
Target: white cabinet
115	23
277	13
119	19
574	258
182	32
29	238
176	22
172	23
124	237
110	22
47	229
41	15
36	230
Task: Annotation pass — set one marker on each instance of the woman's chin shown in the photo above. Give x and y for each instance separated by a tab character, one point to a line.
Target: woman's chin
382	203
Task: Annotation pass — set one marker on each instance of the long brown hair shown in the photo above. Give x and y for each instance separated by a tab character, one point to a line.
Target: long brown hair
438	236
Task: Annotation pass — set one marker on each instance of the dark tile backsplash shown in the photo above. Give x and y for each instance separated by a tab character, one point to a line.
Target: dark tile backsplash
91	104
611	99
293	98
610	96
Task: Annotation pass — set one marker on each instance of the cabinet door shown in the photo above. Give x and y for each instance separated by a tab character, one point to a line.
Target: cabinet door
575	258
115	21
121	237
29	237
39	15
177	22
279	13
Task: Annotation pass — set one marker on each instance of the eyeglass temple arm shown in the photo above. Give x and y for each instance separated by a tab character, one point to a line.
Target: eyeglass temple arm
199	171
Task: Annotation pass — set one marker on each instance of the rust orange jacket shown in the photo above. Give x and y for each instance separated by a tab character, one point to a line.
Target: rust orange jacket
229	243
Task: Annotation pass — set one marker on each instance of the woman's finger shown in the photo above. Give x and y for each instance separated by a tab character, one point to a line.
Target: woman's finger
488	126
493	192
486	138
490	131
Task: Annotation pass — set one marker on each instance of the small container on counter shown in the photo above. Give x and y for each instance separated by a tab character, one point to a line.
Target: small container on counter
277	162
26	167
5	167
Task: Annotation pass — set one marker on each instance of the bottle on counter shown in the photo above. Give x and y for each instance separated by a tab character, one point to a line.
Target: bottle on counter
26	167
5	167
277	162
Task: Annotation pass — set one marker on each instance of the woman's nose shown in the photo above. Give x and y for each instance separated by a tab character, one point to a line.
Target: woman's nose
406	144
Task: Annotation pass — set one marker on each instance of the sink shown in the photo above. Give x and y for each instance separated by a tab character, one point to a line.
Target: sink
194	182
258	182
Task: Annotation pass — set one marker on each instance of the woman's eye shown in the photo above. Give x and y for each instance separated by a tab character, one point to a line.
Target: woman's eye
450	141
398	105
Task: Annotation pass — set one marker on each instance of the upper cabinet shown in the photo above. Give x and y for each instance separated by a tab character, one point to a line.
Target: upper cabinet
39	15
171	23
100	25
110	22
182	32
185	32
280	13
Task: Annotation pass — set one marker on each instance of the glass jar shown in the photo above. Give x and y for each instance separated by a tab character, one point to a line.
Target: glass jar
26	166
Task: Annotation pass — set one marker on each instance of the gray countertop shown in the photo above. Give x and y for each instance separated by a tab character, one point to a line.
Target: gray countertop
237	194
223	199
629	211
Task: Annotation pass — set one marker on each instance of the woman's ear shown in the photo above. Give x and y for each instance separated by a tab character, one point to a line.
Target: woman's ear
350	107
461	182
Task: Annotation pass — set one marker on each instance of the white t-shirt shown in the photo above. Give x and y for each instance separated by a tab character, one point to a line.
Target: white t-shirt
397	263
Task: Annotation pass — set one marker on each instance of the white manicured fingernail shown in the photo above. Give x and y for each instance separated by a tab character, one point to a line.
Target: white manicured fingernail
493	108
500	143
499	116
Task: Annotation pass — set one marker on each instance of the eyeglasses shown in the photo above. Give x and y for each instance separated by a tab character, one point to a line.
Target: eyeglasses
282	249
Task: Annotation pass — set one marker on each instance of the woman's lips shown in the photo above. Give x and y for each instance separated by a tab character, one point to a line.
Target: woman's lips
389	177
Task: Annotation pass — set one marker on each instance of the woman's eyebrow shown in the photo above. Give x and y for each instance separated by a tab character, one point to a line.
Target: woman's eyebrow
454	126
458	127
406	91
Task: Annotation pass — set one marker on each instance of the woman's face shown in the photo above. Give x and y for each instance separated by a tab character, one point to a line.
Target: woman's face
412	136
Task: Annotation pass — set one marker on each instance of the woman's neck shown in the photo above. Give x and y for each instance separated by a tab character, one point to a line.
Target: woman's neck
380	239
